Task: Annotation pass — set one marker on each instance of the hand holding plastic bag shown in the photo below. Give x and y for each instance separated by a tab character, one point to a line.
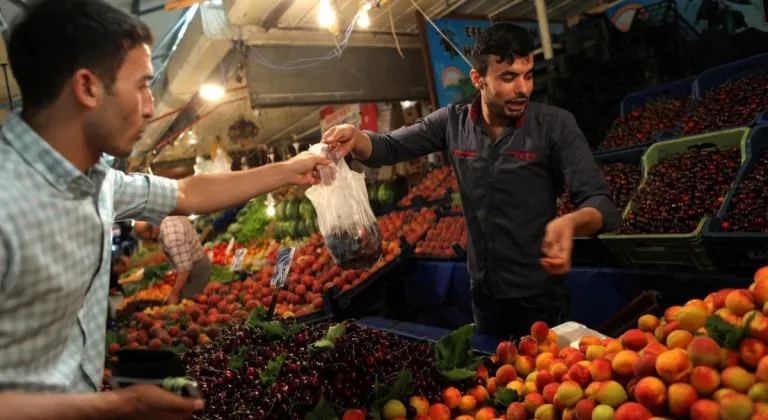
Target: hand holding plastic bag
344	214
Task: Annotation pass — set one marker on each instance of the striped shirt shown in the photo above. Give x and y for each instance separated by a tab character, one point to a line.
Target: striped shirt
180	242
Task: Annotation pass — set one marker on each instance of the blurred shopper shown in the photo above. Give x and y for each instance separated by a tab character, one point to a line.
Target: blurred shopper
84	68
512	158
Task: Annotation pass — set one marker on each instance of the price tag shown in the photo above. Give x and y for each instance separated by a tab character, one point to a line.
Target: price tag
282	266
237	262
230	246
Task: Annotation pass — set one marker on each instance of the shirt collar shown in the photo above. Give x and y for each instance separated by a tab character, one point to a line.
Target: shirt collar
476	113
51	165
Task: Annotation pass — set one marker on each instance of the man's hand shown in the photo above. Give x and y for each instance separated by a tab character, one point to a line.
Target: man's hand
146	402
173	298
341	138
304	168
558	244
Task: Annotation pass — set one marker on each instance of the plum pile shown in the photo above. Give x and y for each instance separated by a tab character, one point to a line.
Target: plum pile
749	205
680	191
732	104
622	178
642	124
356	251
343	375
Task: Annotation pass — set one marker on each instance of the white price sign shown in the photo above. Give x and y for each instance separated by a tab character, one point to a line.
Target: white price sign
282	267
230	246
237	262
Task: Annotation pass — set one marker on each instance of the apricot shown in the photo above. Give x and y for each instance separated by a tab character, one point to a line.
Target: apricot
760	292
485	413
548	347
680	397
705	410
568	414
558	369
728	358
758	328
420	404
624	362
601	370
761	408
587	341
517	386
654	348
634	340
704	351
546	412
580	375
761	373
674	366
540	331
530	387
506	352
644	366
761	274
451	397
648	323
751	351
603	412
492	386
668	329
505	374
584	408
705	380
719	298
758	392
528	346
524	365
614	346
722	392
611	393
739	302
439	412
543	378
533	401
595	352
679	339
549	392
543	361
632	411
737	379
691	318
591	389
517	411
569	393
479	393
651	392
468	404
574	358
736	407
482	372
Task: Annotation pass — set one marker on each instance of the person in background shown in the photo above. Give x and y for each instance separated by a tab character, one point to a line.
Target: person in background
181	245
221	223
84	70
512	158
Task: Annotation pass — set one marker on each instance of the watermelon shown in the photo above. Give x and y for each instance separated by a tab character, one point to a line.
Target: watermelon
225	237
280	211
306	210
386	193
303	229
292	210
234	228
313	227
373	192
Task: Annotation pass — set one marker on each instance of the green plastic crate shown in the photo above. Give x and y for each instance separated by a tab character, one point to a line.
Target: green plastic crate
672	252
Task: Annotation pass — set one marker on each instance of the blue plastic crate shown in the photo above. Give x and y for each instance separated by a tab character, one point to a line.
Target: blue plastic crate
715	77
678	88
739	253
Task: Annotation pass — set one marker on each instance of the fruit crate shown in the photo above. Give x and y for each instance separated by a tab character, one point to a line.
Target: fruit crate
483	344
672	252
590	251
677	88
626	319
715	77
739	253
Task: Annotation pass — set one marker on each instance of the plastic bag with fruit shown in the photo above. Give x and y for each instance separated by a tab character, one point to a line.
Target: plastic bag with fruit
344	214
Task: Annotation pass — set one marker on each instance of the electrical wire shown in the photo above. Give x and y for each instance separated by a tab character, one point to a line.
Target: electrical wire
461	54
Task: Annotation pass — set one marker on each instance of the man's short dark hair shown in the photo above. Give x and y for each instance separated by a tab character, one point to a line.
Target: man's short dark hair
55	38
505	40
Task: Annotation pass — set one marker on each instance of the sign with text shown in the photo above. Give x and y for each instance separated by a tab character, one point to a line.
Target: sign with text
362	116
282	267
237	262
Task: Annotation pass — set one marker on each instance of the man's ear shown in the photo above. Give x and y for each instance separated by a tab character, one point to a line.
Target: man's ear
477	80
87	88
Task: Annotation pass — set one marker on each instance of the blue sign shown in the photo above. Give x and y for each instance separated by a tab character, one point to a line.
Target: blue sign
449	70
282	267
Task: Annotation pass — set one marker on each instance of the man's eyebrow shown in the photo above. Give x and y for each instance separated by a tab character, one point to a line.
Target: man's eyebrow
509	73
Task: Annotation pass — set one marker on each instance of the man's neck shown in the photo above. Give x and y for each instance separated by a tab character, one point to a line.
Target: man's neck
65	135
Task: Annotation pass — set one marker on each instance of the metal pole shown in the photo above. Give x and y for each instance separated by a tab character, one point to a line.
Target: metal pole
7	85
546	37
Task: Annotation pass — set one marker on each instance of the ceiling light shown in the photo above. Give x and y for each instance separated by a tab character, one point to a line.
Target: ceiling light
363	20
212	92
326	15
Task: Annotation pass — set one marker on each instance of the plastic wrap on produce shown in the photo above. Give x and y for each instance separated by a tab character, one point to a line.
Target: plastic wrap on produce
344	214
569	334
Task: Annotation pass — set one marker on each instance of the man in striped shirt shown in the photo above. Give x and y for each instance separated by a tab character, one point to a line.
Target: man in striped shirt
182	246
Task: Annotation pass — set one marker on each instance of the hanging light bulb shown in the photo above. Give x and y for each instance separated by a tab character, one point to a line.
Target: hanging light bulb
212	92
191	137
363	20
270	205
326	16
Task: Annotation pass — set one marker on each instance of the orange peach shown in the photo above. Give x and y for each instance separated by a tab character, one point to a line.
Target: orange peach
548	347
705	410
614	346
549	392
632	411
668	329
532	402
728	358
468	404
758	328
739	302
644	366
650	337
651	393
517	386
461	417
543	378
654	348
611	393
761	373
540	331
719	299
737	379
704	351
558	369
580	374
705	380
601	370
479	393
505	375
634	340
529	388
552	335
603	412
736	407
761	274
761	408
670	314
569	393
546	412
674	366
760	292
751	351
506	352
758	392
679	339
624	362
482	372
680	397
592	389
543	360
691	318
524	365
419	404
574	358
587	341
528	346
492	386
353	415
584	409
485	413
721	393
568	414
517	411
648	323
451	397
595	352
439	412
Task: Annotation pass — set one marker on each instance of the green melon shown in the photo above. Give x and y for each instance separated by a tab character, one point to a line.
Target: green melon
386	193
306	210
280	211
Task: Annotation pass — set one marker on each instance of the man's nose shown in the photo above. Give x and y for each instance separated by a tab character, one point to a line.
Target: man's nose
148	106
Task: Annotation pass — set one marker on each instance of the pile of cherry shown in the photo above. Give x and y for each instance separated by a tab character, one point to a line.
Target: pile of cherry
623	179
343	375
732	104
749	205
680	191
643	123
